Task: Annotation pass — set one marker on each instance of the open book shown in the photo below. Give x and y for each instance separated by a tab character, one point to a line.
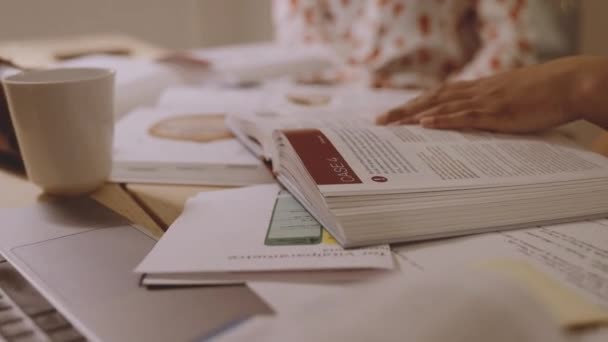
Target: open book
372	185
310	107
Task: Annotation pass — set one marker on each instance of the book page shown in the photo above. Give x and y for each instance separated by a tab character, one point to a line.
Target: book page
410	158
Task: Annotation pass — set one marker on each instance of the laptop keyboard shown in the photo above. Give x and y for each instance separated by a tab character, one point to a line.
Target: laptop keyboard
25	316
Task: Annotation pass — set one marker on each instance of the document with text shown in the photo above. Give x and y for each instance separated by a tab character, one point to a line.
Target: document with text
412	183
572	257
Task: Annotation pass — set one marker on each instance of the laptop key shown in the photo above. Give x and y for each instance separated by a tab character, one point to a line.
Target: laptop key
8	316
29	338
40	311
22	334
25	316
15	329
51	321
66	335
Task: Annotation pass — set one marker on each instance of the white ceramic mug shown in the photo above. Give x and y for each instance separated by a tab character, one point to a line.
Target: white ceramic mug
64	123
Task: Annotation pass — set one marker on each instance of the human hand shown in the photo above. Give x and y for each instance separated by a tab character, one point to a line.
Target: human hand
521	101
600	145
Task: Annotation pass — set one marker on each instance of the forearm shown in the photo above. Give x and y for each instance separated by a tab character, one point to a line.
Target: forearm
590	100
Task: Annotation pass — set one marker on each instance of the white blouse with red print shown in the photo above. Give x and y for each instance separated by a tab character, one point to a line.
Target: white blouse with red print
403	43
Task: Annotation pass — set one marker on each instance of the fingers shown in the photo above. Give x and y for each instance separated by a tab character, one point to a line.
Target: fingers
450	92
391	116
467	119
440	110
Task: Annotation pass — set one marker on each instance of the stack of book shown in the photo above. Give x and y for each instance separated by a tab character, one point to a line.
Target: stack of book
371	185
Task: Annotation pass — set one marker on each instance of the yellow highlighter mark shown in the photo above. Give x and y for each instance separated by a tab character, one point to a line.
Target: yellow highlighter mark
328	239
569	308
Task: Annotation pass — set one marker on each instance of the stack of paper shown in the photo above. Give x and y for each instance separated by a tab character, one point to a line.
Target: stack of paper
255	233
371	185
173	146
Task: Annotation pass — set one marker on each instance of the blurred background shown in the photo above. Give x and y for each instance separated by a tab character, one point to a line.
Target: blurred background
169	23
184	24
197	23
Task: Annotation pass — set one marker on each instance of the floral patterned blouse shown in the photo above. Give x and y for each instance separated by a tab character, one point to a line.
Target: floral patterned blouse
403	43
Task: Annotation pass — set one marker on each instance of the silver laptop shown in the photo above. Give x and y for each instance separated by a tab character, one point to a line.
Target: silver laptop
80	256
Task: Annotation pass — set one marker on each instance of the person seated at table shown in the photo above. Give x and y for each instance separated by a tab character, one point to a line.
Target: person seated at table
420	44
526	100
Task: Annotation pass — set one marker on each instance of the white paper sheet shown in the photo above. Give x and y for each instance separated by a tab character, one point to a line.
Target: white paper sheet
574	254
253	229
455	306
286	296
415	159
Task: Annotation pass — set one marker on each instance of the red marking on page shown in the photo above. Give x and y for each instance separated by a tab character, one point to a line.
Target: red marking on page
321	158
